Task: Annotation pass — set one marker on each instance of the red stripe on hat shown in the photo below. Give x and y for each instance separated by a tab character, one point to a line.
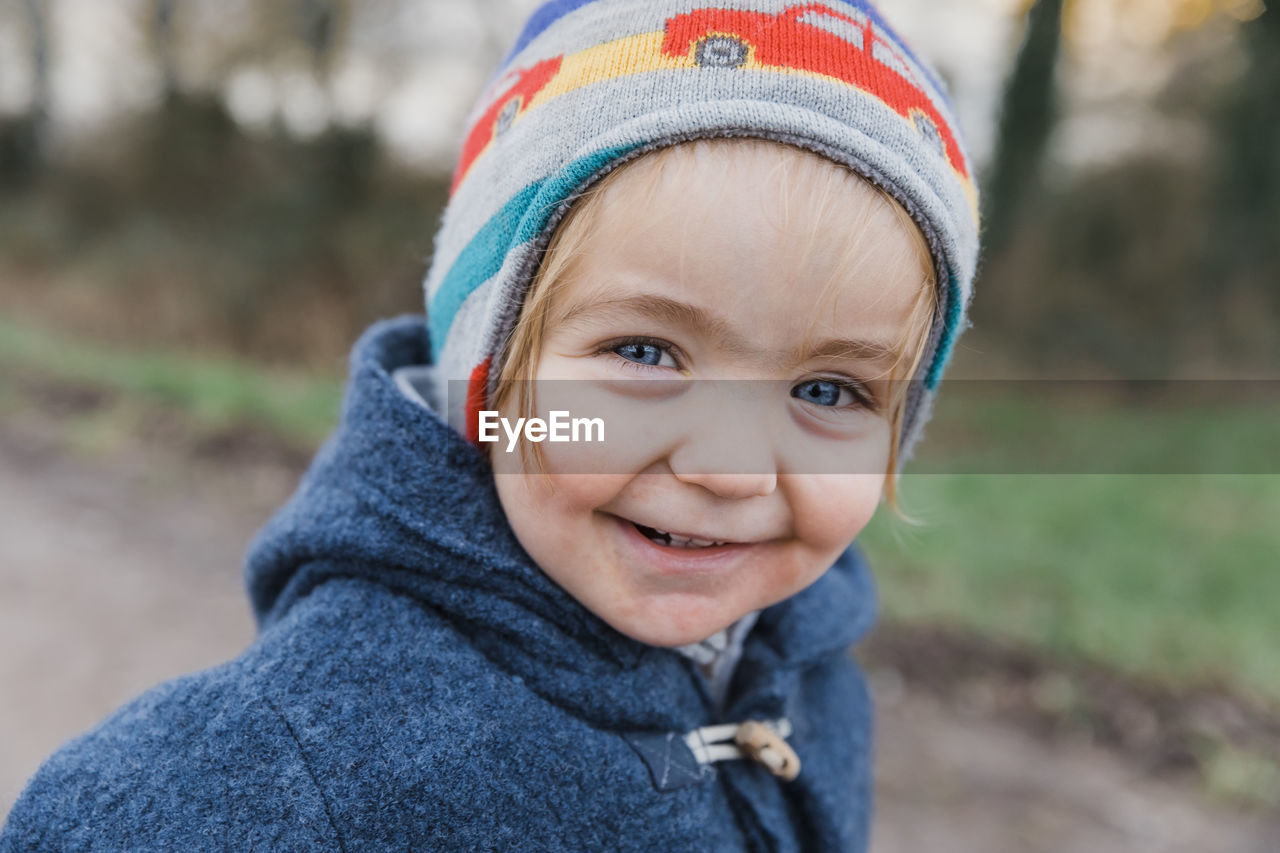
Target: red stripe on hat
477	391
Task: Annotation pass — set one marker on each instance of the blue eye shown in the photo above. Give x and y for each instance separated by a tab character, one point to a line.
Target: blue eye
824	392
641	353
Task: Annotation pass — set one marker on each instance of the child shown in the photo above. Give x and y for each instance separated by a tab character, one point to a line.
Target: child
636	645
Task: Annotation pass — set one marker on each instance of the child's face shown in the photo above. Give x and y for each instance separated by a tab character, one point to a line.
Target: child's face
716	280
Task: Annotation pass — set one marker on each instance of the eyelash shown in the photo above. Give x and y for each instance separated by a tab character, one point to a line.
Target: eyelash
611	347
861	394
863	398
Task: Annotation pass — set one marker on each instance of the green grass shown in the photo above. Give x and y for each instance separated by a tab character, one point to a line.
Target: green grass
214	393
1173	577
1059	427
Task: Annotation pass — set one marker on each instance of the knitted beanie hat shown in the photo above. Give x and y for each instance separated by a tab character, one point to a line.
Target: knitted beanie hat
591	84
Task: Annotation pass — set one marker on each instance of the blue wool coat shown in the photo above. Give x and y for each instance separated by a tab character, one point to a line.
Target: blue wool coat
418	683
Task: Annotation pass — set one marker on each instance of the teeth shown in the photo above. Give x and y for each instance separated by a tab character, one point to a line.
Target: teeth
681	542
675	540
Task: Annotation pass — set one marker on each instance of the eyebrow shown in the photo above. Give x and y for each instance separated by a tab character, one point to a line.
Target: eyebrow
692	316
847	350
666	309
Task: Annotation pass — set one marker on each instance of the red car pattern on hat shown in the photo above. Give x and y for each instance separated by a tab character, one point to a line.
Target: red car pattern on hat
505	109
815	38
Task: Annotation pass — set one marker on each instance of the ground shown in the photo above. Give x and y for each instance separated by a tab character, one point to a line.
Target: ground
104	552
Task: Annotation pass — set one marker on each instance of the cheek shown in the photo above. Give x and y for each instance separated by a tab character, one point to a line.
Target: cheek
550	512
623	430
832	509
581	494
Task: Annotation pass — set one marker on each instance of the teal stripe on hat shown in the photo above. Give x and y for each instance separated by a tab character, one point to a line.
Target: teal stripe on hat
557	188
521	219
478	262
950	331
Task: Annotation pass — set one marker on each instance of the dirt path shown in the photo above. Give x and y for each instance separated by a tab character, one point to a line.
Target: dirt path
963	785
99	558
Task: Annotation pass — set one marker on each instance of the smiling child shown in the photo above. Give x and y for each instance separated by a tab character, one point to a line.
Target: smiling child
744	236
817	292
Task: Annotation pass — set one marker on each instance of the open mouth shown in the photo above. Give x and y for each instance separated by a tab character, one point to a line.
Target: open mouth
674	540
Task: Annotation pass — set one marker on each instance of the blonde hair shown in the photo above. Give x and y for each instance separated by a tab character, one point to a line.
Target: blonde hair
824	186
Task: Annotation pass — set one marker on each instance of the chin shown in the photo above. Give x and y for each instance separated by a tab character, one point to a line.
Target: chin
670	632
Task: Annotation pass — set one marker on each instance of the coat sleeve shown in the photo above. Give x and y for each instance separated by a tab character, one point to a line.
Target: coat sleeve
194	764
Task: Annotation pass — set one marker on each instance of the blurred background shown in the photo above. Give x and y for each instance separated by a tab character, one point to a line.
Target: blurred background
203	202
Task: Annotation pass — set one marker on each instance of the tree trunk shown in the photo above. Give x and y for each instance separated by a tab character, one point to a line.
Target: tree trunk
23	140
1251	138
1027	116
162	36
318	22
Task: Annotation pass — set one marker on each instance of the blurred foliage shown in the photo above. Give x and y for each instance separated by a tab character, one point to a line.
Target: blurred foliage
23	138
1154	265
20	152
181	226
184	228
1123	272
1248	153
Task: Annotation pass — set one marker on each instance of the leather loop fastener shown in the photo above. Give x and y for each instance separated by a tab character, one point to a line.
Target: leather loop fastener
764	745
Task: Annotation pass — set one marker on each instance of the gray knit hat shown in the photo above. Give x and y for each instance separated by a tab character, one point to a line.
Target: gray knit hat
590	84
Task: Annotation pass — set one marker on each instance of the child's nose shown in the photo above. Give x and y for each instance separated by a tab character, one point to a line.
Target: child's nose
733	460
731	486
